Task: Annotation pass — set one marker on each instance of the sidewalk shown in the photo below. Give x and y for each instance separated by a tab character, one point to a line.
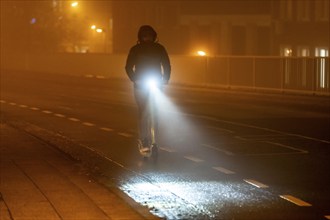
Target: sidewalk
39	182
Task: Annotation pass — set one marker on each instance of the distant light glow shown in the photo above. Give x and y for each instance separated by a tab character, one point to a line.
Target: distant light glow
33	21
201	53
93	27
99	30
74	4
287	52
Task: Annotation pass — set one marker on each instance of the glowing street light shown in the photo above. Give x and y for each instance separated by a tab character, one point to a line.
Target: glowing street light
74	4
201	53
93	27
99	30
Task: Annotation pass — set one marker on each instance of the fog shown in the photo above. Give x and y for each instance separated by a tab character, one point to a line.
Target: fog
224	27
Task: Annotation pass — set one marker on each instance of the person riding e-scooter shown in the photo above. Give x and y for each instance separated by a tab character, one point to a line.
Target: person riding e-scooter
146	59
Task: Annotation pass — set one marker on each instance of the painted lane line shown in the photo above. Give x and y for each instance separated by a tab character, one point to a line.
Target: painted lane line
23	106
256	127
12	103
289	147
74	119
127	135
295	200
218	149
195	159
35	108
46	112
60	115
106	129
240	138
221	129
255	183
167	149
223	170
2	101
260	137
88	124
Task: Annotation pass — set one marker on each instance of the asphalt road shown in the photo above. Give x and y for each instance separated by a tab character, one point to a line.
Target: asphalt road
223	154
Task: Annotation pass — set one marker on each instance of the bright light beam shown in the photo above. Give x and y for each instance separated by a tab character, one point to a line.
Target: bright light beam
174	127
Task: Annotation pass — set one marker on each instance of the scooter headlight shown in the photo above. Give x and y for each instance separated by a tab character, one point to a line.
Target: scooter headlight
152	84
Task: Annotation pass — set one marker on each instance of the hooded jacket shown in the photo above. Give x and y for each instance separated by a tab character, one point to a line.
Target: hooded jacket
147	59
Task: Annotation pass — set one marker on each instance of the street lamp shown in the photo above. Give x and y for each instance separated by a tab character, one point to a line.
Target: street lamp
201	53
74	4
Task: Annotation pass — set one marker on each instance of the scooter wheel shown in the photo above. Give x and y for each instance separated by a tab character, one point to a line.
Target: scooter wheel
154	151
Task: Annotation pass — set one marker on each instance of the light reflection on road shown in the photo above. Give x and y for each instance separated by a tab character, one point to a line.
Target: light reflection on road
184	199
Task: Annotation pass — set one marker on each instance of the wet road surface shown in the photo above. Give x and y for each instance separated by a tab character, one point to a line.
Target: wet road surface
223	155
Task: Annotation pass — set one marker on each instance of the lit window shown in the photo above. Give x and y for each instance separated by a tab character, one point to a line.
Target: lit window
321	52
286	51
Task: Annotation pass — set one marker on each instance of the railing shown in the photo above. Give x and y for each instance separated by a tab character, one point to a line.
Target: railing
282	74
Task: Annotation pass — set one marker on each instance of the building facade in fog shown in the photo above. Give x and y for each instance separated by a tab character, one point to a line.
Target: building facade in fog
220	28
286	27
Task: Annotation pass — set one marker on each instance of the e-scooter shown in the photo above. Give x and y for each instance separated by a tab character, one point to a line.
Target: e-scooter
153	87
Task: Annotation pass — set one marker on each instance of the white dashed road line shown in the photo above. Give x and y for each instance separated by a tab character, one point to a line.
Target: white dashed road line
223	170
74	119
88	124
59	115
255	183
47	112
35	108
23	106
295	200
106	129
218	149
125	134
170	150
195	159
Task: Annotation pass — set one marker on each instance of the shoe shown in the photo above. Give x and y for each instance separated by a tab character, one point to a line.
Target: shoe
143	146
145	150
140	144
